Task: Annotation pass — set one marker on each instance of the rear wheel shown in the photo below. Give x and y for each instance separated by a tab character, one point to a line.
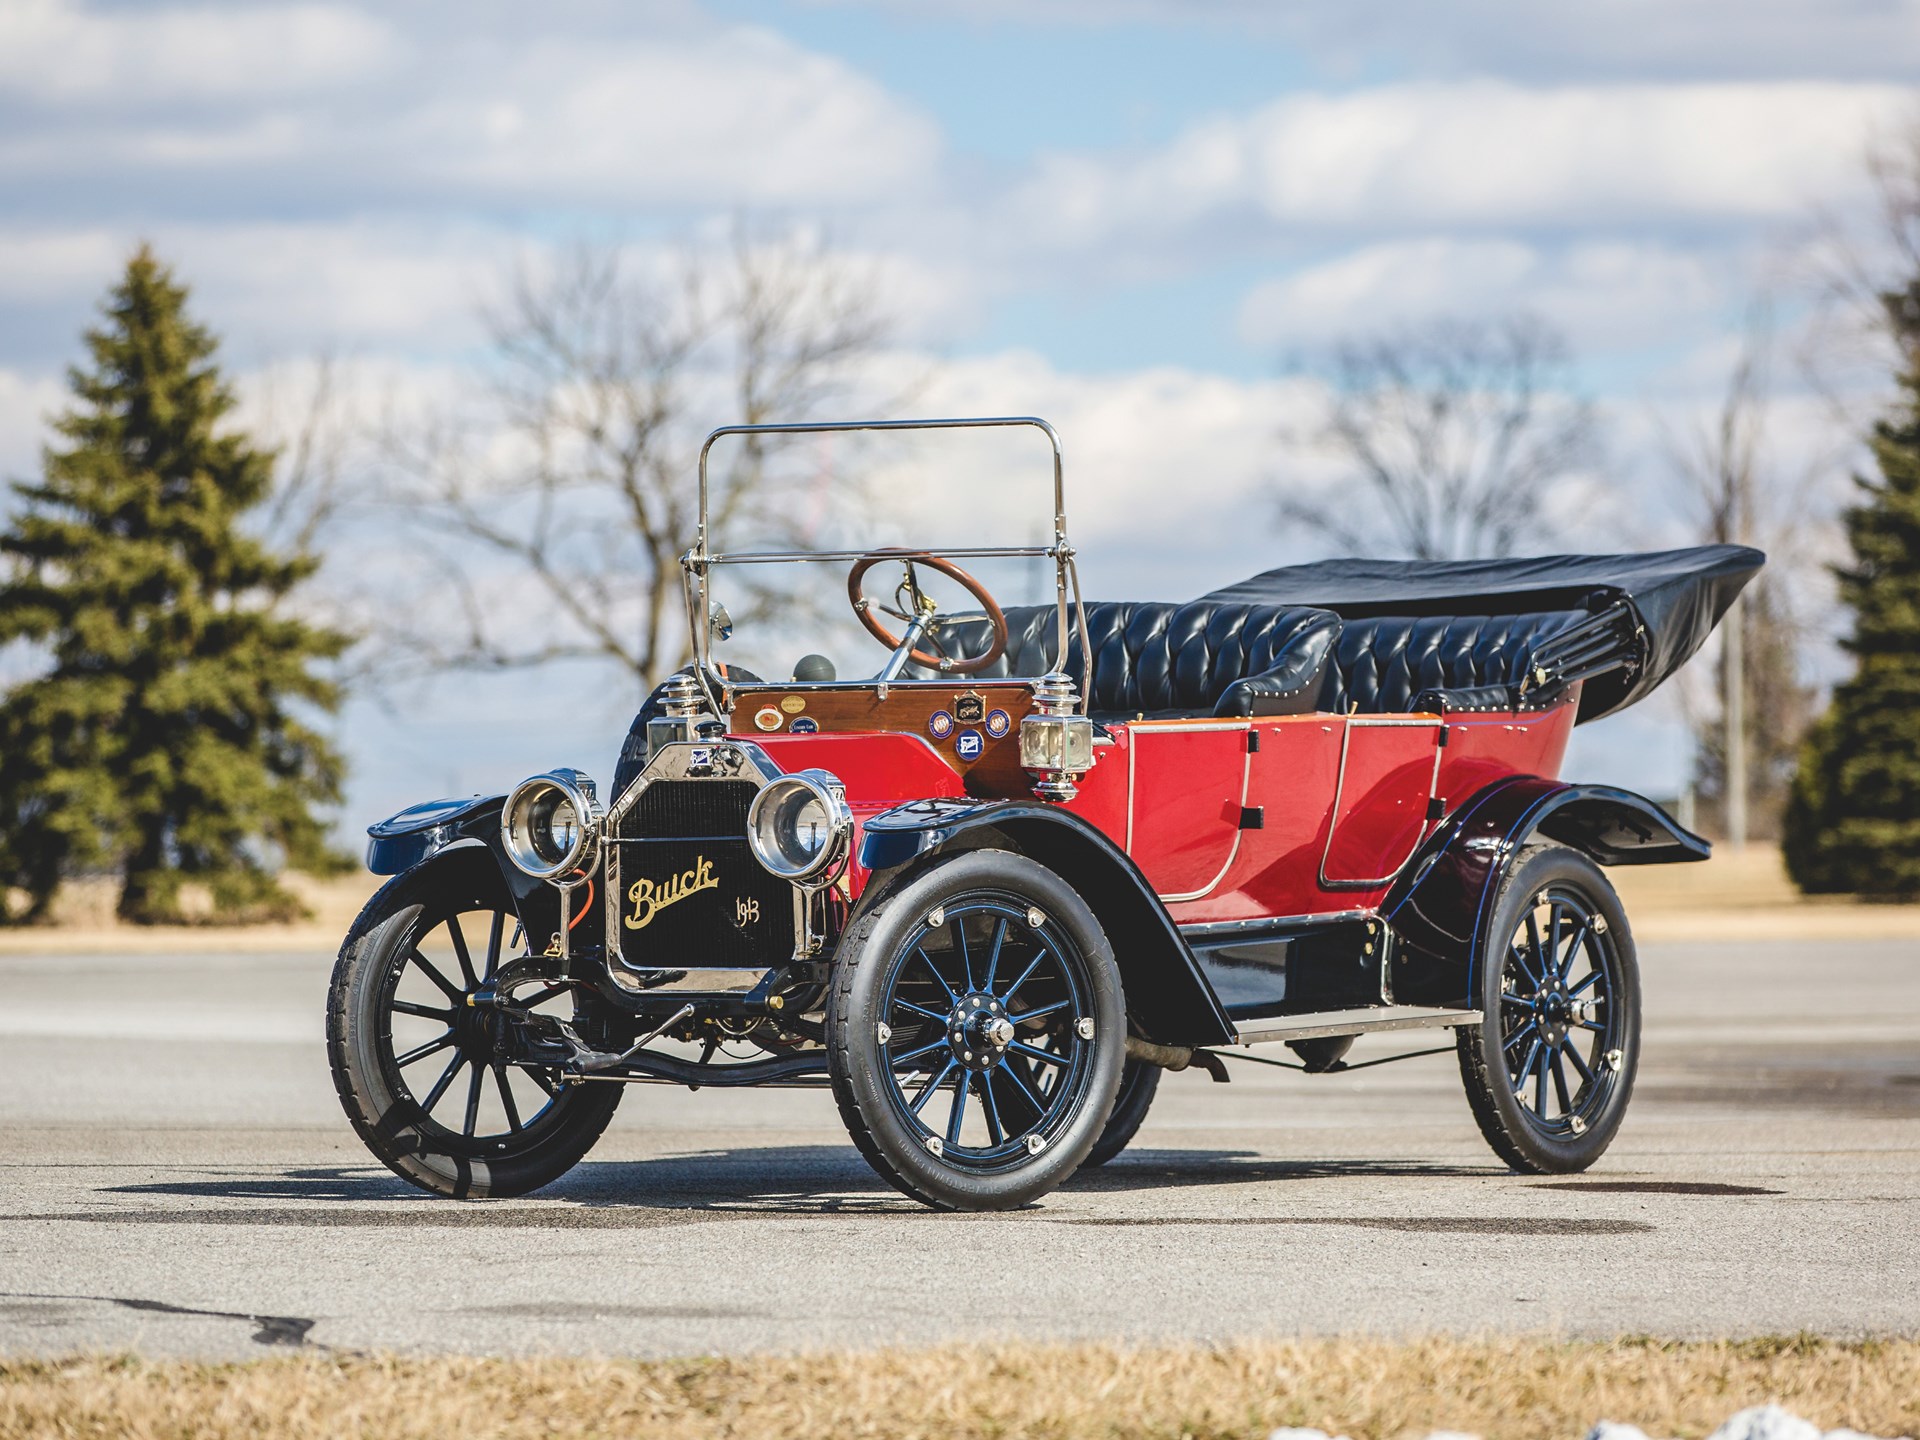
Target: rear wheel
976	1032
416	1066
1138	1083
1550	1069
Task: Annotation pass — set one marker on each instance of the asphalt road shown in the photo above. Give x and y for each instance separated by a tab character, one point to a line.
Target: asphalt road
176	1178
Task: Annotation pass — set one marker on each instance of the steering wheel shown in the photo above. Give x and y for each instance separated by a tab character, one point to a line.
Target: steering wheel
916	608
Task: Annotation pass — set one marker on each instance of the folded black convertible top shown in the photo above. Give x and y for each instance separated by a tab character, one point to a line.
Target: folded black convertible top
1676	597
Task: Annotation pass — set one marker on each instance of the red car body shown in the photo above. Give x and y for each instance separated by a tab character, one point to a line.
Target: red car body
1229	819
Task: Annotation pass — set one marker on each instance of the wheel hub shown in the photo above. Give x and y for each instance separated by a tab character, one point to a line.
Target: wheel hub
473	1031
979	1032
1556	1010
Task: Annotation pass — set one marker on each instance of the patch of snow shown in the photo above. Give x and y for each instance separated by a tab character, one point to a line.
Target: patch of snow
1767	1422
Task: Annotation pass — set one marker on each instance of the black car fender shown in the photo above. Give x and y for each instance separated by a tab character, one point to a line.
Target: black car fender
1441	906
420	832
1168	998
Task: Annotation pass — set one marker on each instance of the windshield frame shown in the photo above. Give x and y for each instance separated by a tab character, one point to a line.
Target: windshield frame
698	563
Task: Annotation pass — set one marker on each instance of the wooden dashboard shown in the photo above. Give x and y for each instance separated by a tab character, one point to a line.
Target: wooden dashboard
974	728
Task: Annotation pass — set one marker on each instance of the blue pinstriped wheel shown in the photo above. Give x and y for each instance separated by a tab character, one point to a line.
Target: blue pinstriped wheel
977	1032
1550	1069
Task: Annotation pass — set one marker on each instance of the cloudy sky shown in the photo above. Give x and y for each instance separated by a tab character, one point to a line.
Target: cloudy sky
1122	214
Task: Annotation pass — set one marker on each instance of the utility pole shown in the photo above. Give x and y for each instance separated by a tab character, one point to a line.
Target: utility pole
1736	715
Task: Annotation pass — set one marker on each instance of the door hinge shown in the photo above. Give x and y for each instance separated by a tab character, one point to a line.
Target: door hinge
1253	740
1253	817
1442	740
1436	809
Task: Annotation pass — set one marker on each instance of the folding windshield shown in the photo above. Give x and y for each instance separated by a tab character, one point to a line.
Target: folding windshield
928	525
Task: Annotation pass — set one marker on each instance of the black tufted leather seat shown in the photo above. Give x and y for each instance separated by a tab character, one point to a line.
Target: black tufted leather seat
1225	658
1162	660
1430	662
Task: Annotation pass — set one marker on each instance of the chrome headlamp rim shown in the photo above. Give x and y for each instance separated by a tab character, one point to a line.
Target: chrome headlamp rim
517	820
826	863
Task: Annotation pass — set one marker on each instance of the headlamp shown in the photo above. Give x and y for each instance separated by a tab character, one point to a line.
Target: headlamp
550	826
800	828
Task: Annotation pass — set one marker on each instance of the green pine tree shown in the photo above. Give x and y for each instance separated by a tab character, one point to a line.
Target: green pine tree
1853	819
162	740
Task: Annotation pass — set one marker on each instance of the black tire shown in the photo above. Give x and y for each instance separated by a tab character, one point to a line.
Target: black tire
1034	1057
633	755
1550	1069
548	1126
1138	1083
634	750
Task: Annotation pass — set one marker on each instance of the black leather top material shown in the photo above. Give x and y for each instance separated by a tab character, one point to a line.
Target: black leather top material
1382	664
1675	598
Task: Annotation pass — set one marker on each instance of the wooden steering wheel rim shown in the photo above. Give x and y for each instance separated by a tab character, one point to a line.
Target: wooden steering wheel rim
863	608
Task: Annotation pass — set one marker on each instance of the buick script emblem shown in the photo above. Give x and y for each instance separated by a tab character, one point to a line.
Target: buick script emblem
649	899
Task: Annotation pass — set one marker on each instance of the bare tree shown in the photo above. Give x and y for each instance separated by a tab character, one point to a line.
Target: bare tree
1858	269
1455	434
305	409
1738	491
1895	169
604	379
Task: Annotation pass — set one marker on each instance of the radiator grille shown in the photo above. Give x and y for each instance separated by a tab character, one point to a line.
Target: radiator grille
689	810
689	893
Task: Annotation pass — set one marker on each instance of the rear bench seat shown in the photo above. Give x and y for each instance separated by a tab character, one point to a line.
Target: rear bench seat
1389	664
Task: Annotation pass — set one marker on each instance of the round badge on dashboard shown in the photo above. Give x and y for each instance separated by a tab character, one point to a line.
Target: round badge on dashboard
969	745
940	724
998	723
794	704
804	725
768	718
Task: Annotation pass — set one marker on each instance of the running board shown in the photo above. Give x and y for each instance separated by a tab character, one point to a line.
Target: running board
1350	1022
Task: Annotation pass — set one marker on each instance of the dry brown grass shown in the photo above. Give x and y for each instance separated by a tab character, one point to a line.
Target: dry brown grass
1733	896
1745	895
83	923
1527	1388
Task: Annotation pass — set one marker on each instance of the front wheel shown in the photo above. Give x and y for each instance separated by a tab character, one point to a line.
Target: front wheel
1550	1069
976	1032
417	1068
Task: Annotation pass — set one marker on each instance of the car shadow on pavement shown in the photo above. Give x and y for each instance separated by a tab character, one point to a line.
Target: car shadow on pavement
762	1180
1146	1169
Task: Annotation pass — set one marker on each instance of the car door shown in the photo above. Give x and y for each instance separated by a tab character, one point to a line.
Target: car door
1187	786
1382	801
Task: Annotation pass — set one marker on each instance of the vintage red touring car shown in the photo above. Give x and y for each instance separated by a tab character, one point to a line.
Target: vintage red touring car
1044	853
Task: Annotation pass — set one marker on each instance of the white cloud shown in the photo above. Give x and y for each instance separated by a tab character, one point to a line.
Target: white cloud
1605	295
1167	470
1476	155
334	108
270	289
63	54
25	402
